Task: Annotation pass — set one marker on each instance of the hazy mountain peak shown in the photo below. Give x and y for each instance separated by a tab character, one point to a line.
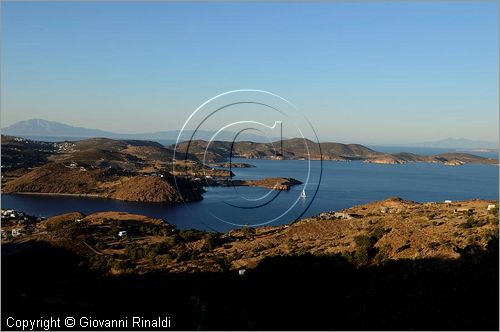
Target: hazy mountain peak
44	128
41	127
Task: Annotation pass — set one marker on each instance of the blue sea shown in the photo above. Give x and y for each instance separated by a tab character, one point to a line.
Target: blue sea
329	185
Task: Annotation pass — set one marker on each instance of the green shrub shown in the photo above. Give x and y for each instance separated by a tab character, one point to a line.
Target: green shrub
173	240
383	254
113	231
191	235
100	245
365	247
224	264
433	245
212	240
100	263
162	259
122	265
377	233
258	249
469	223
134	252
494	211
182	254
248	232
236	255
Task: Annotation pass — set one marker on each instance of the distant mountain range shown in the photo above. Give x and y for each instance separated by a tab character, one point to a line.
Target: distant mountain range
42	128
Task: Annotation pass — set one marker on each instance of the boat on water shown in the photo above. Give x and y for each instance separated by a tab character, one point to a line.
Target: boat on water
303	194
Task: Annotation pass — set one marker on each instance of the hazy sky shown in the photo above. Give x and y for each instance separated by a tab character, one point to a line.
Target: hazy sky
363	72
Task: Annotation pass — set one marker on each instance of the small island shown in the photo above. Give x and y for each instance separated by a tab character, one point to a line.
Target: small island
232	165
270	183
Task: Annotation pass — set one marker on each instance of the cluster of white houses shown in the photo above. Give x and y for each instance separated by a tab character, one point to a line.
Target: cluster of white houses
10	214
15	223
64	146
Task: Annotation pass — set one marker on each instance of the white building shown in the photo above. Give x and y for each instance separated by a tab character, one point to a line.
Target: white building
7	212
122	233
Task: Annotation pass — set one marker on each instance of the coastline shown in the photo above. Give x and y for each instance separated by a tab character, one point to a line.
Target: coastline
54	194
315	233
489	161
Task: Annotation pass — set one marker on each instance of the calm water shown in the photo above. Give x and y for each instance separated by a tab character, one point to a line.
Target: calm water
343	184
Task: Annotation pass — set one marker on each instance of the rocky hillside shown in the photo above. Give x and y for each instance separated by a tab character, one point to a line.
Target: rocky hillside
369	234
129	170
59	178
21	154
296	148
379	266
155	189
292	149
129	155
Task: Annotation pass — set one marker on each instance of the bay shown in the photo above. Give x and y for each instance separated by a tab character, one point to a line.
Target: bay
341	185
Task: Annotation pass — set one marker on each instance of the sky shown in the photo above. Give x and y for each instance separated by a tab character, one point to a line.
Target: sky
365	72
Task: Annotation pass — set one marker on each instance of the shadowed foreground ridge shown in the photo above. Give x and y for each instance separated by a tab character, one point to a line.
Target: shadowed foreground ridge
287	292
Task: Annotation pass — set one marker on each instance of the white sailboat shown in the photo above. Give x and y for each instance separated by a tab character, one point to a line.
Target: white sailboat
303	194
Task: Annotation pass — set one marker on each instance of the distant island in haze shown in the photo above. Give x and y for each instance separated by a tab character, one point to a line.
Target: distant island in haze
51	129
459	143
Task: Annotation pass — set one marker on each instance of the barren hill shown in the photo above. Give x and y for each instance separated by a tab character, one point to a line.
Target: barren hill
368	234
19	153
298	148
294	148
130	155
379	266
58	178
